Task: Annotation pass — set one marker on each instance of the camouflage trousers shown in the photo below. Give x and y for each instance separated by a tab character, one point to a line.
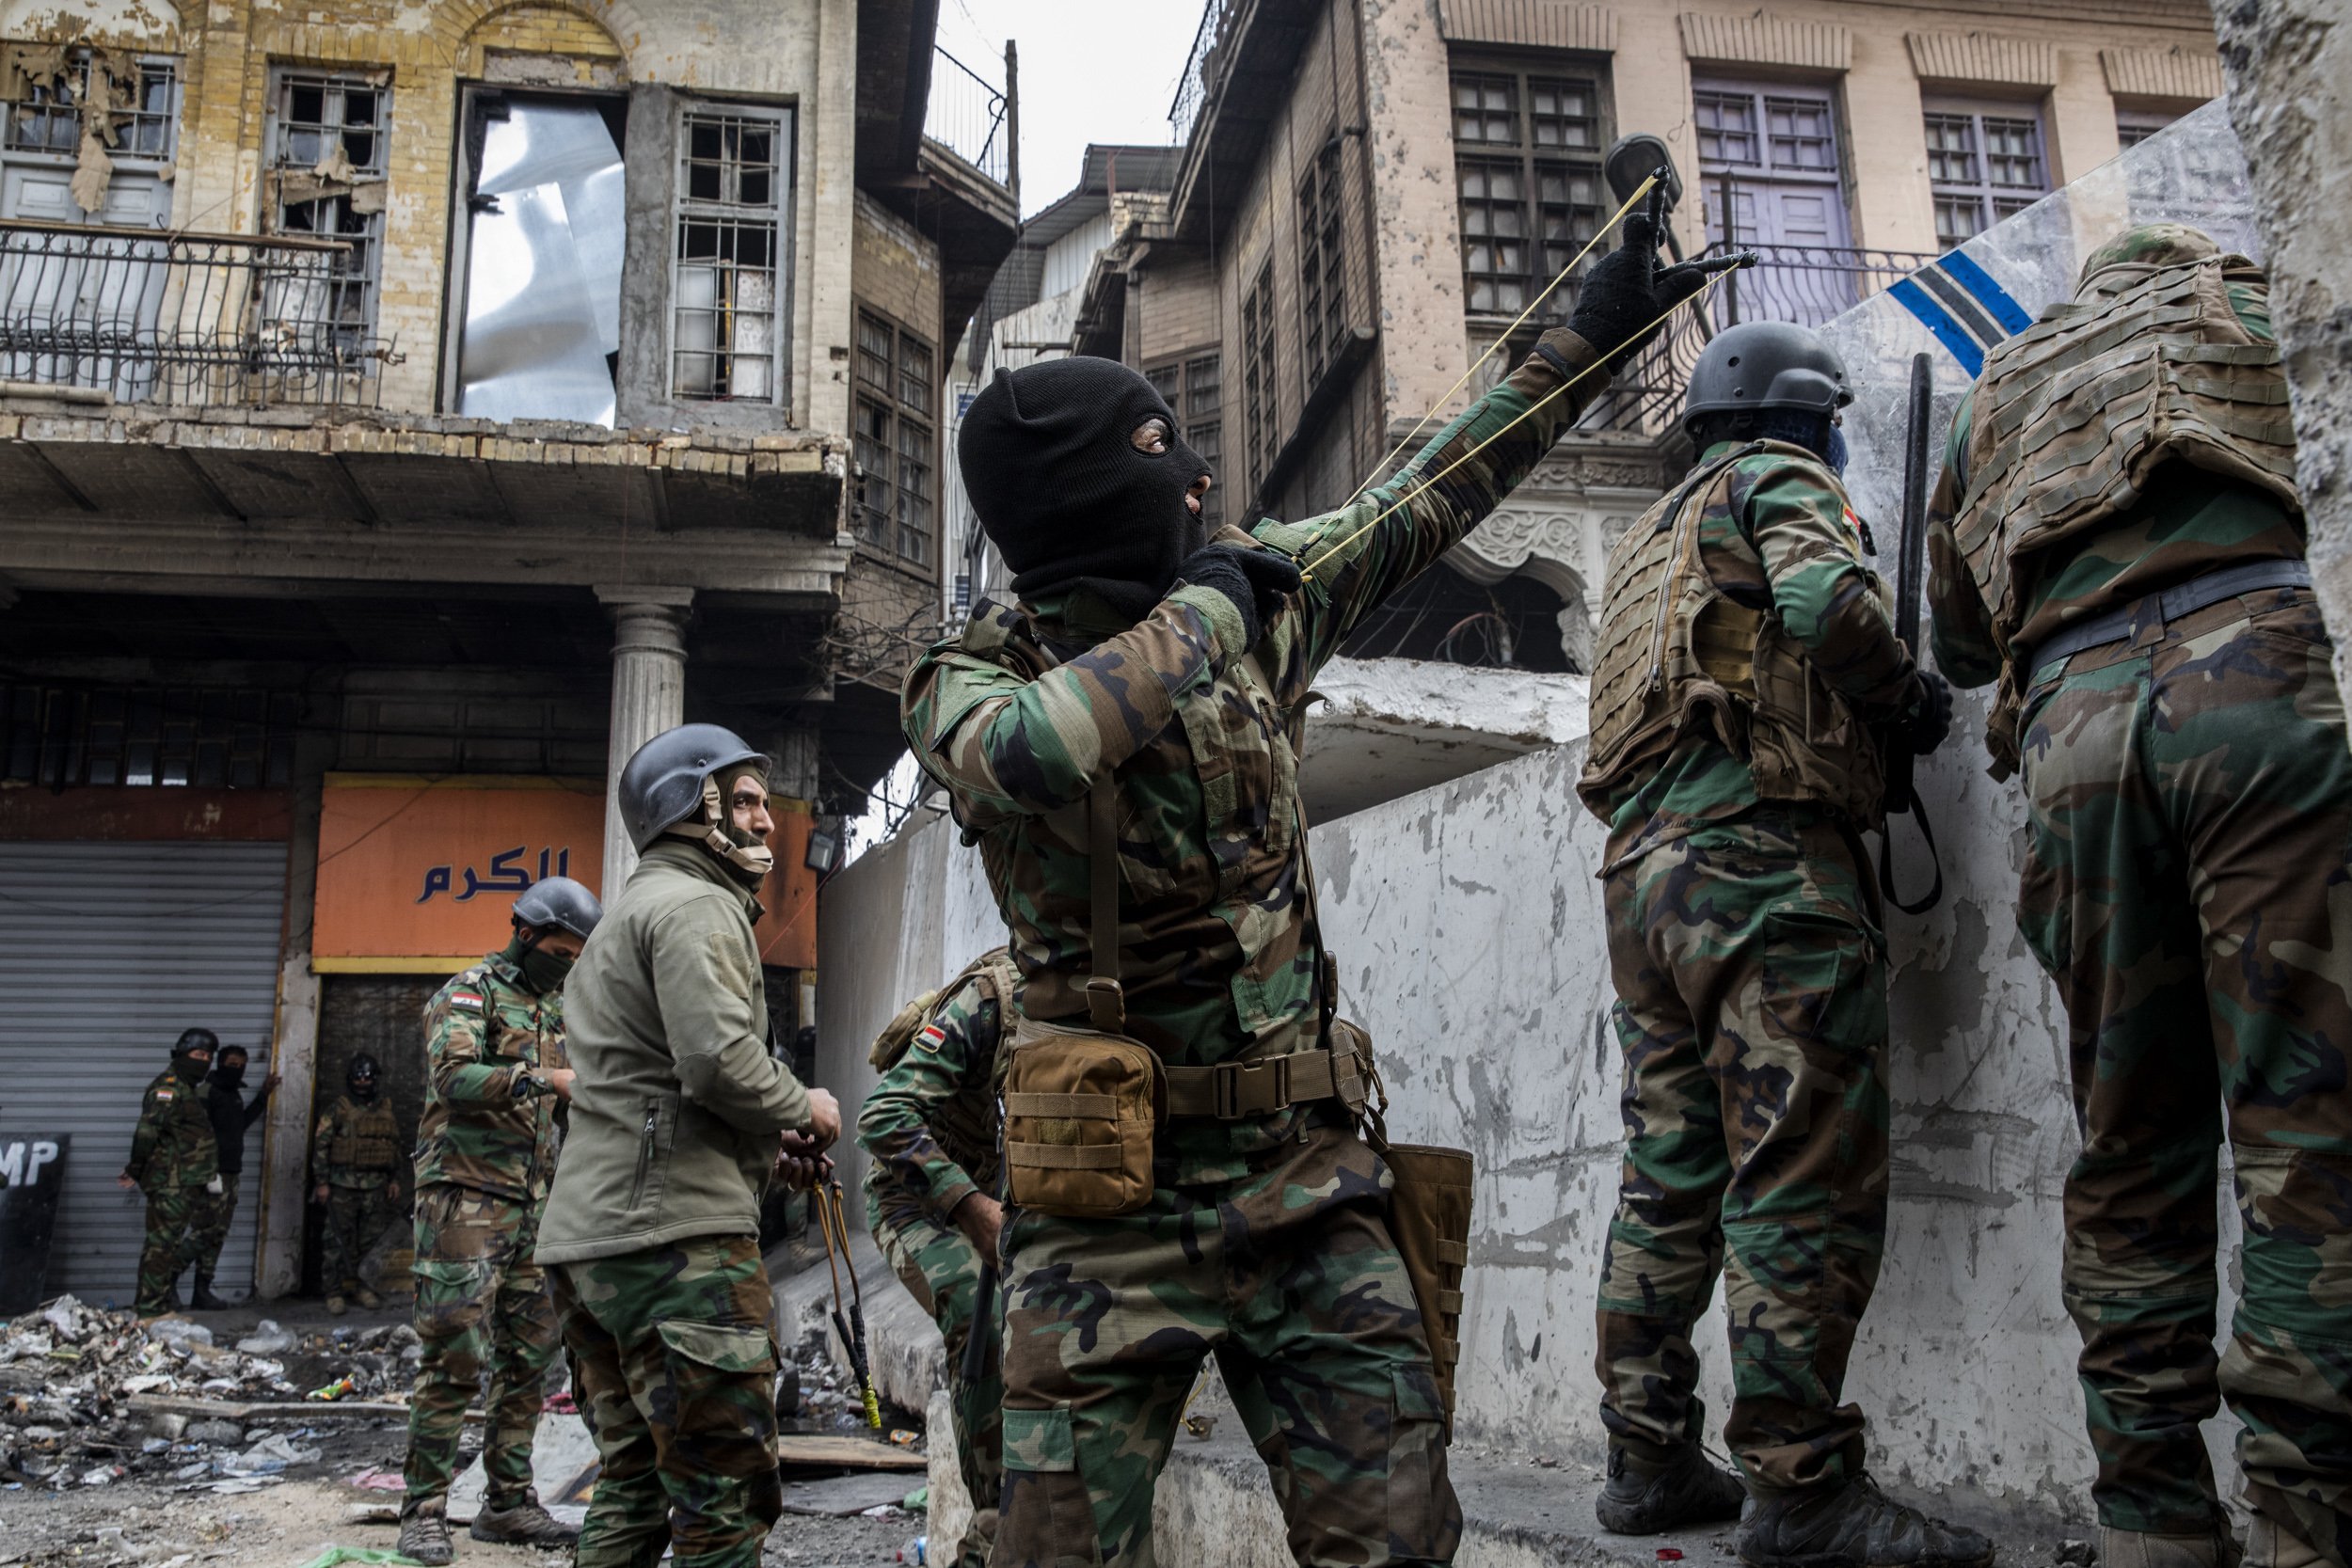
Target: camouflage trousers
1290	1277
677	1371
356	1216
482	1306
2188	883
214	1212
1752	1016
942	1271
173	1211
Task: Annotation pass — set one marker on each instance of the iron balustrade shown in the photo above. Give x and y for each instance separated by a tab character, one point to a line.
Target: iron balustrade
966	116
1200	66
185	319
1804	284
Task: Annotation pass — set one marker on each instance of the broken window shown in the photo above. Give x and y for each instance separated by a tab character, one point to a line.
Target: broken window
328	158
1526	173
1322	266
892	432
1984	162
727	331
88	136
543	191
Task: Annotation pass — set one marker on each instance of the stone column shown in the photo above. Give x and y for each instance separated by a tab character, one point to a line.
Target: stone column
648	696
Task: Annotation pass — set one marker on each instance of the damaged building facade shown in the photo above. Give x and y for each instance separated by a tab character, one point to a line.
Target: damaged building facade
1372	191
407	408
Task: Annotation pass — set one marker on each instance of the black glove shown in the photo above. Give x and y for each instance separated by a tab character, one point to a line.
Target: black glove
1256	580
1620	301
1928	716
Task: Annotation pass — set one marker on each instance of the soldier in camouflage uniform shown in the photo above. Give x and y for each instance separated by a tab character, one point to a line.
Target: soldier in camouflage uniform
2117	542
175	1163
1747	671
1146	661
355	1158
681	1120
496	1071
930	1196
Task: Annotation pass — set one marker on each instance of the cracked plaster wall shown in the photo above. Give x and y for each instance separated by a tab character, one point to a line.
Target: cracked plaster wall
1468	926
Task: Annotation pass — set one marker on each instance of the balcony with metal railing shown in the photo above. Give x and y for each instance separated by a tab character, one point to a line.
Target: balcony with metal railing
971	116
1804	284
152	316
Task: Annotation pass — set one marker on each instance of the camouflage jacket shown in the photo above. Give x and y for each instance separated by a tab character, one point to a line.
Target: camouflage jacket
489	1118
1780	540
174	1144
948	1073
1021	715
356	1144
2196	522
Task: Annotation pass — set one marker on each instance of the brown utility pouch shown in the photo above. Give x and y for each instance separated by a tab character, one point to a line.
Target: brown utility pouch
1082	1105
1429	1216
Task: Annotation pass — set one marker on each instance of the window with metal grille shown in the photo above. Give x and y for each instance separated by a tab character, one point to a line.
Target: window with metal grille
1984	162
1262	416
1321	268
898	498
329	149
727	337
1193	386
211	736
143	104
2134	126
1527	176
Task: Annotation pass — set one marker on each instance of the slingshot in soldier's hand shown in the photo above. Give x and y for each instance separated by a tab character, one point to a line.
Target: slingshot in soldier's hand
833	1222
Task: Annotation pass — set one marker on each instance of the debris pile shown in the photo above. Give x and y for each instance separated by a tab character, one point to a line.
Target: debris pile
90	1396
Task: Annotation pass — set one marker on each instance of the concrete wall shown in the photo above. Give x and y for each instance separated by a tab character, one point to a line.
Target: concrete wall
1469	929
2287	61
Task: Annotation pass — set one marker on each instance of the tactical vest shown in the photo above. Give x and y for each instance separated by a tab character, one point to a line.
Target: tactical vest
1675	654
2074	414
366	1137
965	1124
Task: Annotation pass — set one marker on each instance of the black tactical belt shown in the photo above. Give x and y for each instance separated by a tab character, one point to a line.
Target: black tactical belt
2184	598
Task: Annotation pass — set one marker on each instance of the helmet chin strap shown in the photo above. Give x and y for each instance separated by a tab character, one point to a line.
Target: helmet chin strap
755	859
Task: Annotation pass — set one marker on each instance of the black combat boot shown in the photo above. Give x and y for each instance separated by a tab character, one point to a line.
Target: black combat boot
1854	1526
1643	1498
202	1299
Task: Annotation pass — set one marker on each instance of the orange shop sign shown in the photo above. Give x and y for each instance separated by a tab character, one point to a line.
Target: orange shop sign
420	876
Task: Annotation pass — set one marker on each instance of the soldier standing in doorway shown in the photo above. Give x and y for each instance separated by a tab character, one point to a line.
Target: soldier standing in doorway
355	1158
1748	683
496	1069
232	1115
2118	541
931	1127
175	1163
1135	709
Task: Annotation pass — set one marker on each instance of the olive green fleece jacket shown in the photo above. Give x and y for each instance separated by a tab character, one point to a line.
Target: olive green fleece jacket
676	1108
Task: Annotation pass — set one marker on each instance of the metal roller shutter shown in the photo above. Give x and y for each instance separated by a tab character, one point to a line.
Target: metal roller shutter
107	950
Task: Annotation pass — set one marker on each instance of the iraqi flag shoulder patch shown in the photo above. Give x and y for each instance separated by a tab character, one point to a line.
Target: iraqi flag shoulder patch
931	1038
465	999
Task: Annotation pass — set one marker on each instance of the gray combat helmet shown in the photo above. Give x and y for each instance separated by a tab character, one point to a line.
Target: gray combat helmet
558	901
663	783
1761	365
195	1039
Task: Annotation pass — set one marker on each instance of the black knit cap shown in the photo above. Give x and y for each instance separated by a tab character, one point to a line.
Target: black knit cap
1051	466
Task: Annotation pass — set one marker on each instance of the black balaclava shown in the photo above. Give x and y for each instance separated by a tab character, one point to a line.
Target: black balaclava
360	1077
1051	466
227	1073
1816	433
543	971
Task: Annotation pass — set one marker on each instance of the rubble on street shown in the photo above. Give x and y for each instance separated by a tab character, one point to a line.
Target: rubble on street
90	1397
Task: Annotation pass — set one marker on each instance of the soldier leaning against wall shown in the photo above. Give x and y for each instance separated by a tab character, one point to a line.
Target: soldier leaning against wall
2118	543
1748	683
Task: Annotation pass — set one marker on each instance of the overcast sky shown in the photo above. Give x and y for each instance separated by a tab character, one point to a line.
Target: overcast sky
1090	71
